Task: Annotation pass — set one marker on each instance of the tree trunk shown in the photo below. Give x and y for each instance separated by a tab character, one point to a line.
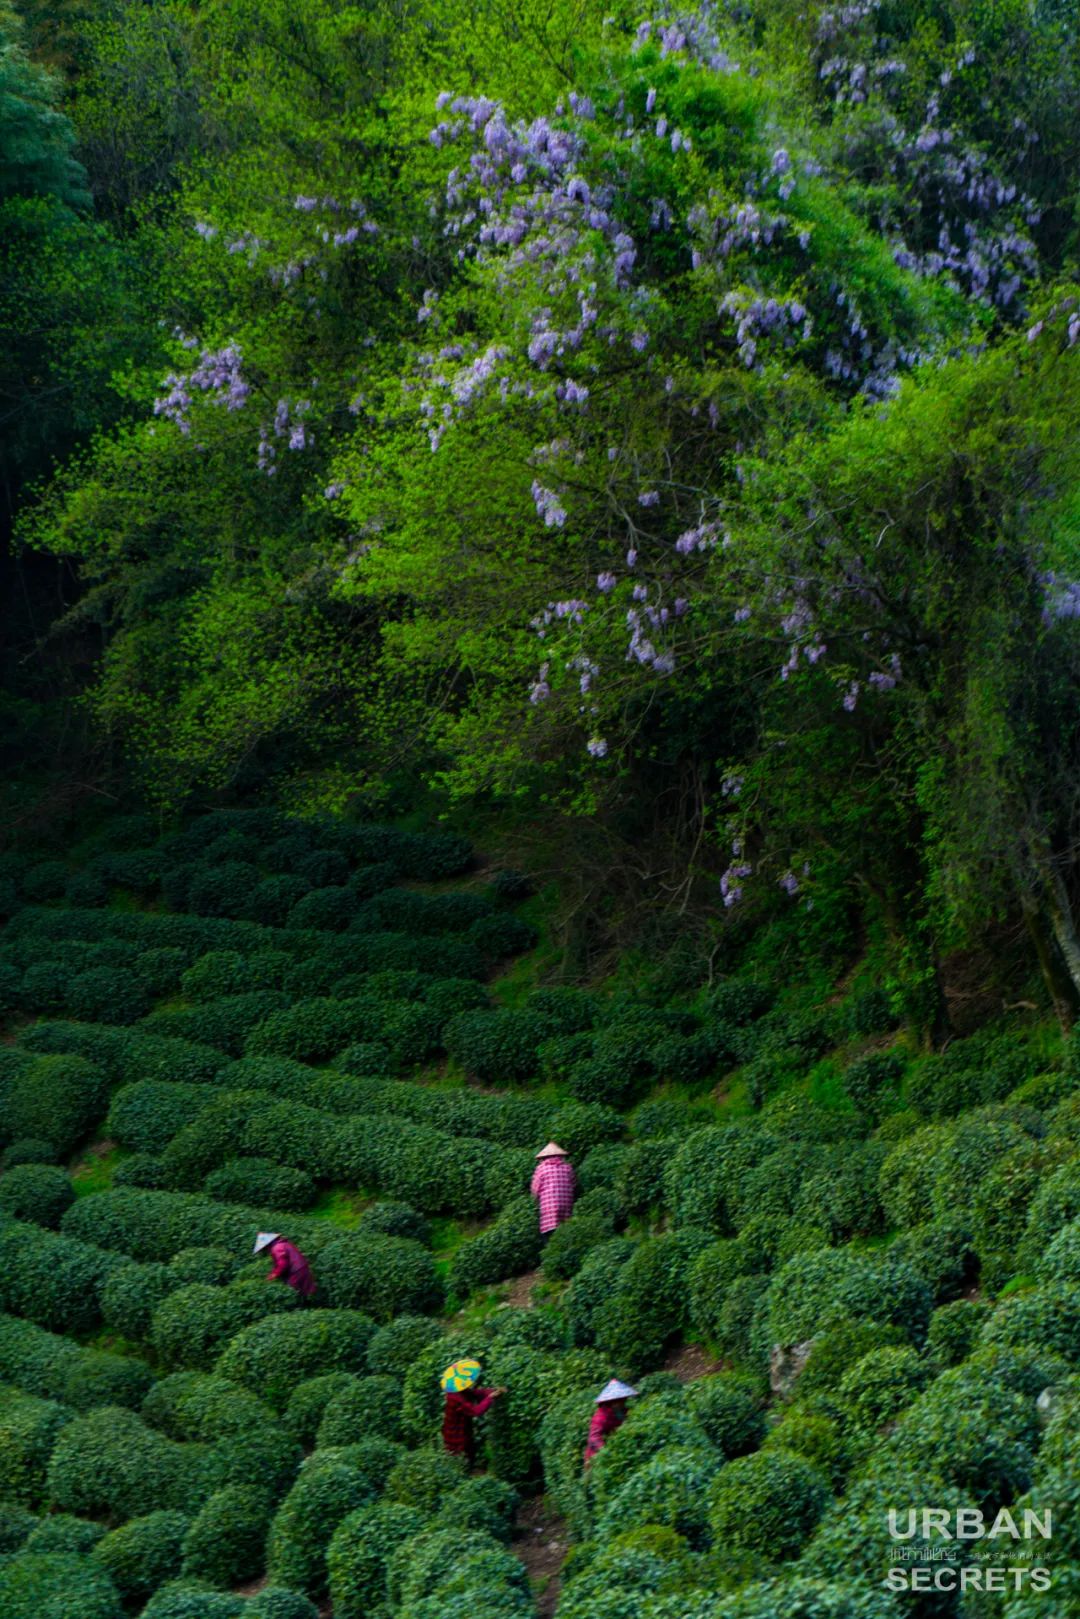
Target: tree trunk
1064	928
1059	985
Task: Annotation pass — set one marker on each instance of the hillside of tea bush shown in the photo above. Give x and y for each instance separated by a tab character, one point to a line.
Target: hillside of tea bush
843	1274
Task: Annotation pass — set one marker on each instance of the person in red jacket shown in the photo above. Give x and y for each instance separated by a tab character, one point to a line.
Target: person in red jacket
290	1266
460	1411
610	1414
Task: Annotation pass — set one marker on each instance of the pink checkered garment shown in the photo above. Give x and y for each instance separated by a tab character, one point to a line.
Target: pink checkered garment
555	1184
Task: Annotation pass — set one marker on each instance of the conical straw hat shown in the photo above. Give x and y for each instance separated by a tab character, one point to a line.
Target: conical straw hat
615	1391
264	1239
552	1150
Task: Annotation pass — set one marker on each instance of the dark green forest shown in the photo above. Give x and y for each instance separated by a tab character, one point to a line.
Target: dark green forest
539	598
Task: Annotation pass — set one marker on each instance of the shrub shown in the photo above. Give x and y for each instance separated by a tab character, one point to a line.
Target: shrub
140	1169
309	1400
218	973
703	1179
367	1406
62	1533
1056	1204
131	1294
271	901
219	890
570	1244
670	1490
16	1524
47	880
395	1347
54	1585
27	1150
51	1279
57	1099
510	1246
210	1265
225	1541
143	1553
817	1290
391	1219
191	1326
109	1463
595	1283
769	1503
325	1493
359	1552
200	1406
728	1412
191	1599
941	1253
260	1182
1059	1262
497	1047
971	1431
487	1504
145	1117
954	1331
649	1303
878	1387
1047	1318
57	1368
275	1602
386	1276
838	1348
107	993
328	909
224	1023
160	971
28	1430
442	1563
36	1192
273	1355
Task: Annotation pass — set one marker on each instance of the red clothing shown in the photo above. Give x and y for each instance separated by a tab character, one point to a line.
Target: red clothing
459	1412
555	1184
606	1418
291	1267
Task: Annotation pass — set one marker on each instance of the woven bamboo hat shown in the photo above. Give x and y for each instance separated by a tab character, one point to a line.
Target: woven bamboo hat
552	1150
264	1239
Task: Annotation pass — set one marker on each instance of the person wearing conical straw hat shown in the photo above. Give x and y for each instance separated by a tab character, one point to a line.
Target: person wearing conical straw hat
554	1184
610	1414
464	1401
290	1265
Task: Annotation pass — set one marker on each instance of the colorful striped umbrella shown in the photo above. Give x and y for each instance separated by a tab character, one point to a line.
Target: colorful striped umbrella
461	1375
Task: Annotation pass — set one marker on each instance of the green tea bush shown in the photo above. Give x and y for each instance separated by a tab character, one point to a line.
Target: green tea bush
28	1430
192	1599
1059	1261
109	1463
60	1369
275	1602
127	1054
510	1246
224	1023
143	1553
27	1150
308	1402
703	1182
817	1290
260	1182
710	1277
971	1431
596	1283
769	1503
16	1526
60	1532
271	901
954	1332
570	1244
215	890
57	1099
366	1407
649	1304
966	1156
140	1169
395	1347
941	1253
483	1503
225	1541
131	1294
330	909
441	1564
873	1083
390	1219
1056	1204
191	1326
312	1030
203	1407
874	1391
53	1585
44	881
209	1265
325	1492
424	1479
386	1276
498	1047
107	994
274	1354
87	889
359	1552
160	971
44	987
36	1192
145	1117
671	1490
728	1411
52	1280
1046	1318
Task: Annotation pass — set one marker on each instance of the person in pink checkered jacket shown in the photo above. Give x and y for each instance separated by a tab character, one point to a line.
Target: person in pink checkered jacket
555	1185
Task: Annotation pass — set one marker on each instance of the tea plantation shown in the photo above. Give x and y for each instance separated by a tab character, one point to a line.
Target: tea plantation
308	1027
